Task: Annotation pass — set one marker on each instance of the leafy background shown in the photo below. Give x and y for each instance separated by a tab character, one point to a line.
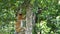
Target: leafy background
49	17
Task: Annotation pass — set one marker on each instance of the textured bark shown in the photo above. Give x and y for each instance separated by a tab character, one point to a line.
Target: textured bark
29	15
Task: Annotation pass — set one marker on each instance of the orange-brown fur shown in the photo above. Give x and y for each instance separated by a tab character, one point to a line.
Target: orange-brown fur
18	23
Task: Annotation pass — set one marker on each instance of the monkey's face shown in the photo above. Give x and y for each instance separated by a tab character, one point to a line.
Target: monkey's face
19	16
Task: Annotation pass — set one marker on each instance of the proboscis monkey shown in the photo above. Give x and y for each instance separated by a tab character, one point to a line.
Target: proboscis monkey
19	23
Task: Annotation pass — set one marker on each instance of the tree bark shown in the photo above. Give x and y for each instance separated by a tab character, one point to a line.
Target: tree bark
29	15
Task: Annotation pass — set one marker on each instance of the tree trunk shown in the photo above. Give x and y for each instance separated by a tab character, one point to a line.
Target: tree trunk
29	15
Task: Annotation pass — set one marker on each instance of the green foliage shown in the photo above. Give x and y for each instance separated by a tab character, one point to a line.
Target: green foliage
50	16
